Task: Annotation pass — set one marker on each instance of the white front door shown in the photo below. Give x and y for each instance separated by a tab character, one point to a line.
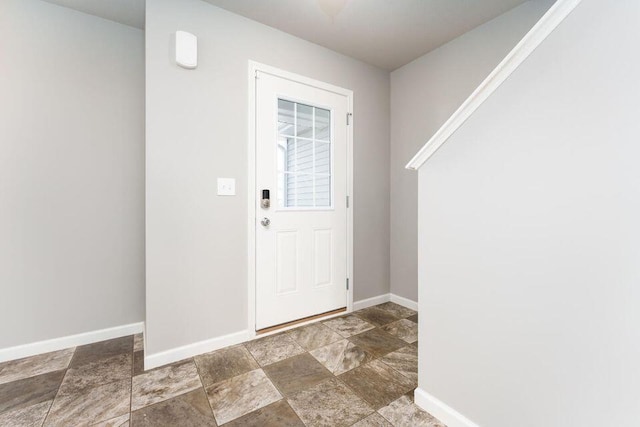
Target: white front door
301	238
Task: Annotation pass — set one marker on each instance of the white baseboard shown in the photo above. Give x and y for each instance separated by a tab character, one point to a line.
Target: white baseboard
369	302
441	411
364	303
55	344
405	302
175	354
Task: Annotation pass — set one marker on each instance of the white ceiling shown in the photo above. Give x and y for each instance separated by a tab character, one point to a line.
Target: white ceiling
127	12
384	33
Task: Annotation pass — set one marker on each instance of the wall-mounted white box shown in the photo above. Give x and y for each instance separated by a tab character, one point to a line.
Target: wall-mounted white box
226	187
186	50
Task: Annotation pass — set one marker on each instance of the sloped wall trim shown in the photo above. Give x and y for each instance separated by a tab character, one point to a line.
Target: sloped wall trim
549	22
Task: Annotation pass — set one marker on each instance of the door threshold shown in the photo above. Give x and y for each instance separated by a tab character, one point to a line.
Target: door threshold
304	319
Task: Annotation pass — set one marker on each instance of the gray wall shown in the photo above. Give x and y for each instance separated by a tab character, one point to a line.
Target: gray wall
71	173
424	94
529	238
197	131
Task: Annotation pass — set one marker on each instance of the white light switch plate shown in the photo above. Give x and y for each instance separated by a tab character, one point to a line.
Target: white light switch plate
226	187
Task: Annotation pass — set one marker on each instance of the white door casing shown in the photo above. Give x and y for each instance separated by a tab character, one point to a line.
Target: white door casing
302	156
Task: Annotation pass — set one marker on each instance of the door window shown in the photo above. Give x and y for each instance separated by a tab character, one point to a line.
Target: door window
304	156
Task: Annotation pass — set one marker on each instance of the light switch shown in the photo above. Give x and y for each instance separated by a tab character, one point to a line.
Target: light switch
226	187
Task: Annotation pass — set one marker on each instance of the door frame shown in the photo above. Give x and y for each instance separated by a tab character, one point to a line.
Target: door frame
254	68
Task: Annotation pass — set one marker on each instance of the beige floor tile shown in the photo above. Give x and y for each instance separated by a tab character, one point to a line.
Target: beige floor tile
278	414
404	413
225	363
121	421
102	371
138	363
240	395
101	350
313	336
35	365
164	383
373	420
296	373
29	391
376	316
273	348
91	406
138	342
30	416
404	361
377	342
349	325
377	383
397	310
404	329
329	404
189	409
341	356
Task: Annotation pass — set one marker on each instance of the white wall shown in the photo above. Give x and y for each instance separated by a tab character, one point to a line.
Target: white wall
529	238
197	131
424	94
71	173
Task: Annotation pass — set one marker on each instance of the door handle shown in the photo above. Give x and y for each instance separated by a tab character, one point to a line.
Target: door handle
265	222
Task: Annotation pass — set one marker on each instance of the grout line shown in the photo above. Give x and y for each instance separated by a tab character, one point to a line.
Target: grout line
377	412
282	395
50	406
286	400
133	362
73	356
60	385
356	394
391	367
172	397
251	370
56	395
267	375
130	397
95	386
252	356
183	361
379	358
204	388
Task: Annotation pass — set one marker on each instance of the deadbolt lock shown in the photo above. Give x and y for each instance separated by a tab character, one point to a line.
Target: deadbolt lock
265	202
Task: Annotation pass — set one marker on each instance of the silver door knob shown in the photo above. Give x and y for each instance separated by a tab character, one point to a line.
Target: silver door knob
265	222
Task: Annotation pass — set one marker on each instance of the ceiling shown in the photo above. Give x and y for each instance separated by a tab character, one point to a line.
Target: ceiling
384	33
127	12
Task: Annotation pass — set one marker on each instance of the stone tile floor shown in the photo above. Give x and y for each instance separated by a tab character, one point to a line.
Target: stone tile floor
359	370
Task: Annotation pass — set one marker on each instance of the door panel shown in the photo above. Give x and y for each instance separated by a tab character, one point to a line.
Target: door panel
287	262
322	266
301	158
